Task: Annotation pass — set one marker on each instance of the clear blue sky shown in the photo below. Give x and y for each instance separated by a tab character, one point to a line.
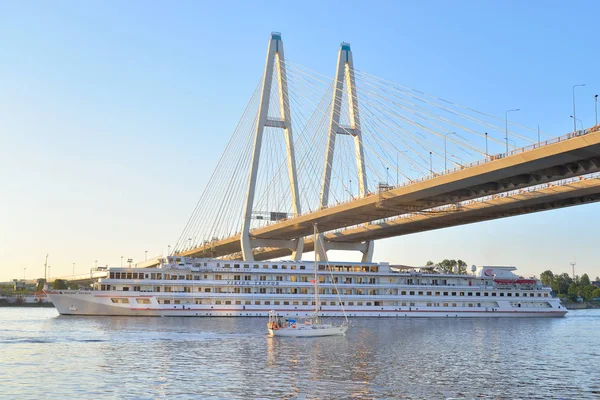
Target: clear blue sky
113	114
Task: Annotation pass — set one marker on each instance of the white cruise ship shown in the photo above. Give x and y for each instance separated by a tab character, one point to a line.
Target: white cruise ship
190	287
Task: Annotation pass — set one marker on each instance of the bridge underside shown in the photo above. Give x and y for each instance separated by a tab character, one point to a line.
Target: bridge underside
566	158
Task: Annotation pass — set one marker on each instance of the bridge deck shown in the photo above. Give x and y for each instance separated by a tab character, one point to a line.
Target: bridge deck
565	157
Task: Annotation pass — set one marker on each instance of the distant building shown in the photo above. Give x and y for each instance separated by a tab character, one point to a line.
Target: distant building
596	283
19	284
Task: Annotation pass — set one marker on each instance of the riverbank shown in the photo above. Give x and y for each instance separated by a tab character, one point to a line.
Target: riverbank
582	306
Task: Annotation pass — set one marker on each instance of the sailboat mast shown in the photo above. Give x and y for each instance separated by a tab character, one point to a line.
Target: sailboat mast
316	277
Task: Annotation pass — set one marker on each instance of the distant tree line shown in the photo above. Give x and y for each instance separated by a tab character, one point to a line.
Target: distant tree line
565	286
448	266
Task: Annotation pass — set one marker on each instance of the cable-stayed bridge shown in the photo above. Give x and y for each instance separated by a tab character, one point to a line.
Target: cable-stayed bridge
365	158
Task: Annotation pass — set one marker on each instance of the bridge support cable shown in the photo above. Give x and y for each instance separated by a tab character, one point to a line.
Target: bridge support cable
275	59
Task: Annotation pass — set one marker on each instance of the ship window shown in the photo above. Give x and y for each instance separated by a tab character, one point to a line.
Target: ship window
247	290
437	293
453	293
102	287
332	303
247	302
470	304
293	267
276	303
126	288
226	265
530	294
177	302
257	302
493	294
368	303
403	293
263	277
196	277
119	300
286	303
236	265
267	302
428	293
265	266
218	277
246	266
412	293
305	303
410	304
428	304
445	304
545	294
421	293
228	302
274	267
143	301
166	301
501	294
283	267
262	290
295	303
255	266
236	277
517	294
350	303
207	290
218	302
237	290
302	267
462	293
112	275
453	304
509	294
486	294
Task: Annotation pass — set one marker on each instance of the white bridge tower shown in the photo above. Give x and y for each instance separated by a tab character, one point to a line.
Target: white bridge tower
275	60
344	75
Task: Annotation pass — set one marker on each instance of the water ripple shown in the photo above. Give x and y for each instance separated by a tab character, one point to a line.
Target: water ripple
216	358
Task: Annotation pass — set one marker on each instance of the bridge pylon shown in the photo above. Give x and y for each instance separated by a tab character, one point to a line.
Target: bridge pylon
344	76
275	62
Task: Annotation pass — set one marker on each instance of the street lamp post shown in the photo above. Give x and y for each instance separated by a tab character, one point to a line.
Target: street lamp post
430	164
577	119
596	107
575	115
445	158
486	145
387	175
506	123
46	268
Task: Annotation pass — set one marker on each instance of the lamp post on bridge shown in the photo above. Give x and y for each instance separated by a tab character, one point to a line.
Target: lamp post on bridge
387	175
513	143
506	126
445	158
576	119
575	115
486	145
596	107
430	164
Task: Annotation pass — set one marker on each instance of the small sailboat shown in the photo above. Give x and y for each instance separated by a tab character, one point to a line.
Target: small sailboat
307	327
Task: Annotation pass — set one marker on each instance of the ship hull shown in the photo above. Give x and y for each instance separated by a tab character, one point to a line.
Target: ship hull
92	304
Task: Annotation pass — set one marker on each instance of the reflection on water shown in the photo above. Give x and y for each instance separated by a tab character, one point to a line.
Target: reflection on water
108	357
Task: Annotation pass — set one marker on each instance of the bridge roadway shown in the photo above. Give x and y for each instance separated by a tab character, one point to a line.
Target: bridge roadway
560	158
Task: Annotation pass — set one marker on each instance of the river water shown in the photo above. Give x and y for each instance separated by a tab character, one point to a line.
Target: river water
43	354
